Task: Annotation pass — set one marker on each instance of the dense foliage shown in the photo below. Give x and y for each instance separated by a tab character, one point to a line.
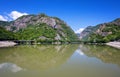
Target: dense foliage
40	32
44	33
6	35
114	35
4	23
70	35
35	32
38	28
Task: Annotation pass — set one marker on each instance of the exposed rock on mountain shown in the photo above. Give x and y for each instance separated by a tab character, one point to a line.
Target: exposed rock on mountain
24	21
86	32
41	28
103	32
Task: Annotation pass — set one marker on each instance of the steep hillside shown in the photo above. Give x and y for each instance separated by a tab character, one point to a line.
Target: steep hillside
4	23
6	35
103	32
41	28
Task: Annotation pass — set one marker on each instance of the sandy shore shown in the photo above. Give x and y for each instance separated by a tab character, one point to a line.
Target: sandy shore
114	44
7	43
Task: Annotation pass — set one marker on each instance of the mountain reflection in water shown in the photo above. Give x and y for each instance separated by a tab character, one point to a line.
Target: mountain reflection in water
37	57
105	53
59	61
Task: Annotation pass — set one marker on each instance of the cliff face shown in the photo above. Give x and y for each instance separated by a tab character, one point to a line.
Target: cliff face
24	21
40	27
86	32
103	32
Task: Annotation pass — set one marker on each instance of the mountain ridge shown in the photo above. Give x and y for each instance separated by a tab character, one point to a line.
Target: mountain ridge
104	32
41	28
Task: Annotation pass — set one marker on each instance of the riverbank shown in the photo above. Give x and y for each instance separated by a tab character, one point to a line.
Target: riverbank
10	43
7	43
114	44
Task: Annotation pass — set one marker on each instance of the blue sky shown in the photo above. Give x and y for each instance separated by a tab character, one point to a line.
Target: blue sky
76	13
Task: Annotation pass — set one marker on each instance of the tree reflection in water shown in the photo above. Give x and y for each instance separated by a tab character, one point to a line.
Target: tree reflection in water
37	57
105	53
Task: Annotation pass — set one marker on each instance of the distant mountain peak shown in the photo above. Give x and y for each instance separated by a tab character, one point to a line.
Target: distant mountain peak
117	20
107	31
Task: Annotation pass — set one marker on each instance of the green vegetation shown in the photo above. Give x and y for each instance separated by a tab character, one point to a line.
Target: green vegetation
36	32
88	32
4	23
40	28
109	33
6	35
70	35
43	15
40	33
44	33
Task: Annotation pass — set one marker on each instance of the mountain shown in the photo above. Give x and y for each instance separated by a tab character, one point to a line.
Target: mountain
6	35
102	33
84	35
4	23
40	28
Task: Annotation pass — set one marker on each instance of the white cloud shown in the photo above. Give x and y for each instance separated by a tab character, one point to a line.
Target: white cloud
2	18
10	67
80	52
12	16
79	30
15	14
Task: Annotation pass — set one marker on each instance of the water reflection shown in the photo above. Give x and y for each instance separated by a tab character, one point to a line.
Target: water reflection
105	53
80	52
37	57
59	61
4	67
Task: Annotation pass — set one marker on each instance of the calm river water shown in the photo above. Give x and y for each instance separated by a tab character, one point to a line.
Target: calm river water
59	61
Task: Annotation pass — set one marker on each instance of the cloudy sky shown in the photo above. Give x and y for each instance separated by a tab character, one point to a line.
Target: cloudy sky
78	14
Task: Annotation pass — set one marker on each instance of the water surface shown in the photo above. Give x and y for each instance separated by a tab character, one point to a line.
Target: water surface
60	61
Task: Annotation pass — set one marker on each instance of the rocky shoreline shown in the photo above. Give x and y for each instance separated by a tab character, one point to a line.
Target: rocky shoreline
114	44
7	43
11	43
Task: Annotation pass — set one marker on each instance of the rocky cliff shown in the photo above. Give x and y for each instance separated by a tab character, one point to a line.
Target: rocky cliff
24	21
103	32
40	27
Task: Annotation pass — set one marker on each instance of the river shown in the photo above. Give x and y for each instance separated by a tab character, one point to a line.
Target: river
59	61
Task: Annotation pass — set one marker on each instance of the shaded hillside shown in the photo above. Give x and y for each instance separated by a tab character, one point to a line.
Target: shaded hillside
41	28
4	23
6	35
103	32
